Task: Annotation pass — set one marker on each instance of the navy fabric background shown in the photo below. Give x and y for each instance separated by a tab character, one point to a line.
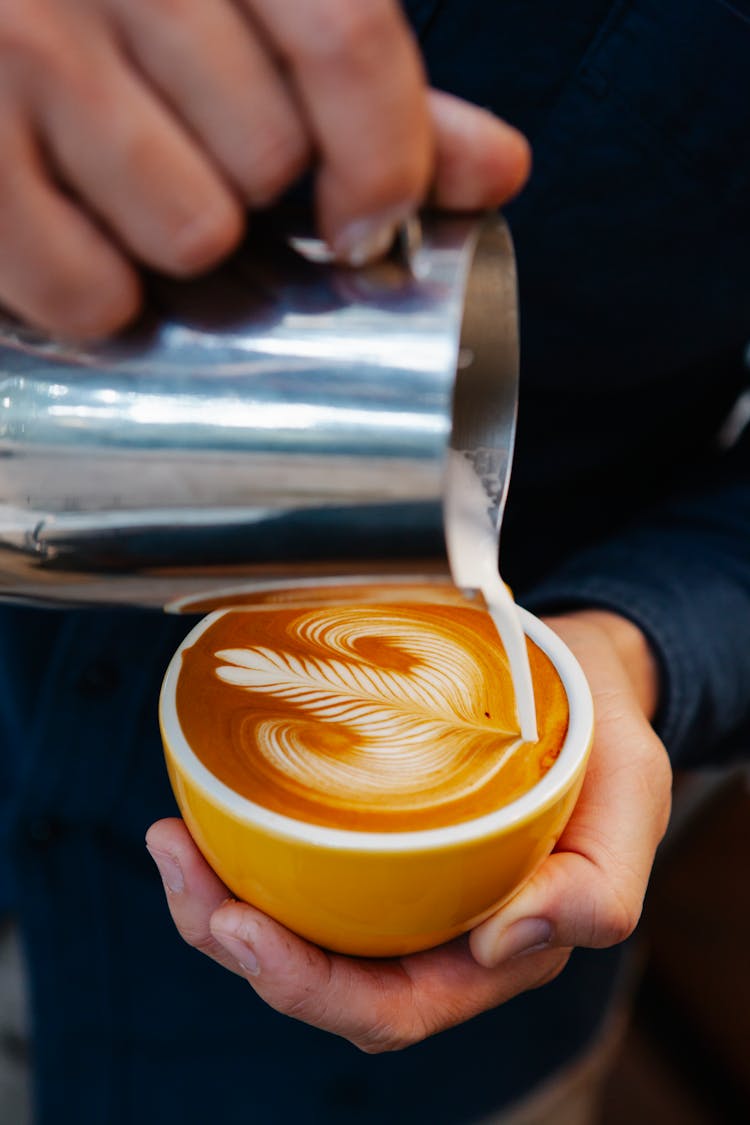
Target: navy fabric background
633	244
633	248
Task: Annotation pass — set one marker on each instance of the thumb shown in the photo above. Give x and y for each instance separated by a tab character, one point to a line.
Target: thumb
590	891
480	161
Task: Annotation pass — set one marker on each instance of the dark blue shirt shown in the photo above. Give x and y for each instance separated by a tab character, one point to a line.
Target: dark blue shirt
633	247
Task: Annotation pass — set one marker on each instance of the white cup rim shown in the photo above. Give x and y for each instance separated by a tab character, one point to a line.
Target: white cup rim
555	782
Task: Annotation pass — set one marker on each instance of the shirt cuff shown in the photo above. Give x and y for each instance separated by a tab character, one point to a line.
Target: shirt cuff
695	620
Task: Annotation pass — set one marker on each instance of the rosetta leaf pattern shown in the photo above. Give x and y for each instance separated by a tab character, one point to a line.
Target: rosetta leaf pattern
408	731
364	697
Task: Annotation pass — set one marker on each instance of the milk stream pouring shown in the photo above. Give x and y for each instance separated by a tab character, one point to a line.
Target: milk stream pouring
283	420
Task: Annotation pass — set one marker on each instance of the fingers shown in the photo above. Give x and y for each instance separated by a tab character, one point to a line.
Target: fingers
481	162
379	1005
241	106
303	981
57	270
590	891
359	76
193	890
133	163
161	122
231	94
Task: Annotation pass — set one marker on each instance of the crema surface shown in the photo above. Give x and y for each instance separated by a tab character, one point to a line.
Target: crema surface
366	716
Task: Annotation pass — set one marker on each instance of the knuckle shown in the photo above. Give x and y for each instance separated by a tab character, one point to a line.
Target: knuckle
90	89
25	30
617	921
305	1006
395	1027
308	1006
197	937
36	50
383	1039
353	30
195	219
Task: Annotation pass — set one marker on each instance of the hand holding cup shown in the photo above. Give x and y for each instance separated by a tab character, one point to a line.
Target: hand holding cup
588	892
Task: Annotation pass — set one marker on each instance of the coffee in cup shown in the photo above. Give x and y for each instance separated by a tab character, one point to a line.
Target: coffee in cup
357	771
366	716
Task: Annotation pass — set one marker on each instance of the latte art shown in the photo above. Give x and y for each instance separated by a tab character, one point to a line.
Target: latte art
410	734
364	716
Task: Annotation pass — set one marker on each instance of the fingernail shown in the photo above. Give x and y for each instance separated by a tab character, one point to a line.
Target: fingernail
527	936
241	950
169	869
365	240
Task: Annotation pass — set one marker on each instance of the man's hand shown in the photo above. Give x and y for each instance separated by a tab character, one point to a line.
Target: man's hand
589	892
140	132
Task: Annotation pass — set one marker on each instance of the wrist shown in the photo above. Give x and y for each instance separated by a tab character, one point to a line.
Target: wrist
633	650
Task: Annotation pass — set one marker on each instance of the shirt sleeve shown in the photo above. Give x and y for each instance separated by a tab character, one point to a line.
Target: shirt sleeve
682	574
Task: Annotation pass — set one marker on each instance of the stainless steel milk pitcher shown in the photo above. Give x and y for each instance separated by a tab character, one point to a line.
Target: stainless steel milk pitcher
282	417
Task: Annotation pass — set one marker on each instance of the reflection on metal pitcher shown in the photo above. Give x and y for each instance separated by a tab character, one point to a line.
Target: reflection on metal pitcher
280	417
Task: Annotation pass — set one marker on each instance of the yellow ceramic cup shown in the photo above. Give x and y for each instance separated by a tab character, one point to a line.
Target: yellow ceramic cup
379	893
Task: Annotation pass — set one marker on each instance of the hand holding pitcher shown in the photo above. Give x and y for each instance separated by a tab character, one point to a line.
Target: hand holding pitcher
140	134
